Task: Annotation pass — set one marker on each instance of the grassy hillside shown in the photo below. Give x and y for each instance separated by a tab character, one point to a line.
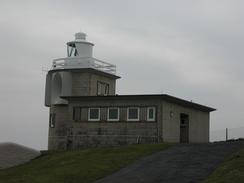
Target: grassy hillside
231	171
80	166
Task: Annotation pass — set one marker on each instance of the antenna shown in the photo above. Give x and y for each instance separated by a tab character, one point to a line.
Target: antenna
44	69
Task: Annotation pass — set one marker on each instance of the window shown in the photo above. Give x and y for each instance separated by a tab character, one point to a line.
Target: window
102	88
52	120
151	111
113	114
133	114
77	113
94	114
71	50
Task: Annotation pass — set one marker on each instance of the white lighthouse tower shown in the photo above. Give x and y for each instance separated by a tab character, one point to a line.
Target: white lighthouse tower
80	55
78	74
80	46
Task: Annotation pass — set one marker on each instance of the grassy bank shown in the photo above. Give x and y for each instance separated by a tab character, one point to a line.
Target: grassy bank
80	166
231	171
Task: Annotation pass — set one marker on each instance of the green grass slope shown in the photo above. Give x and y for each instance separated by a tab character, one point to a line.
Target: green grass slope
231	171
81	166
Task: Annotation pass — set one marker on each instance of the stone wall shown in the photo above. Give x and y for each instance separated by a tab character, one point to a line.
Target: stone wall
81	84
85	84
70	134
58	134
117	133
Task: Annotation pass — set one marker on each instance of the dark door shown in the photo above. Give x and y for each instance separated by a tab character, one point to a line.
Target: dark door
184	128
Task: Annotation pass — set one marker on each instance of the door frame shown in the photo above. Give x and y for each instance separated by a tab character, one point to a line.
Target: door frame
184	128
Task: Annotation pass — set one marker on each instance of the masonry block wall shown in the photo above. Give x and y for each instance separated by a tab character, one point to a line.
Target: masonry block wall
57	138
85	133
86	83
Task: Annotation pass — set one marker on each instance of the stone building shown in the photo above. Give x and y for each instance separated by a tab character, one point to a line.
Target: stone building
86	111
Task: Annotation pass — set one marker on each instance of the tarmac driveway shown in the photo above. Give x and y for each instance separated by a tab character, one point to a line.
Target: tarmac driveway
179	164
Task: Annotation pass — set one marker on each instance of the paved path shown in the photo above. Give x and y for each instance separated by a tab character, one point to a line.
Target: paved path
182	163
13	154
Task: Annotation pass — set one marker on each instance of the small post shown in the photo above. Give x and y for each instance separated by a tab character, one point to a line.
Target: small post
226	134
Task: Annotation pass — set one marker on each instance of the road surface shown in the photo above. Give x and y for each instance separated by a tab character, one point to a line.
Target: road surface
182	163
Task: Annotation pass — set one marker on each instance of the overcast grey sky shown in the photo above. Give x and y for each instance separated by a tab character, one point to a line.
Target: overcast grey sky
193	49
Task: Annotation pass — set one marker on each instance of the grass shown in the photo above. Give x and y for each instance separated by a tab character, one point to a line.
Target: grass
231	171
83	166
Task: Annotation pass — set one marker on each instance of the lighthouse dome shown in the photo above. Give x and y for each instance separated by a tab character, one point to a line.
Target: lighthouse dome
80	55
80	36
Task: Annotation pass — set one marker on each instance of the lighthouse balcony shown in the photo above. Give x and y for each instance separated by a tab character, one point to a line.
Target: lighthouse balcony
83	62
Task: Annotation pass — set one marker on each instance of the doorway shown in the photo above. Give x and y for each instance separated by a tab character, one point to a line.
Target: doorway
184	128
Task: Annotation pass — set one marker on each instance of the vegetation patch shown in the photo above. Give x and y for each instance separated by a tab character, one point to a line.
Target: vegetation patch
78	166
231	171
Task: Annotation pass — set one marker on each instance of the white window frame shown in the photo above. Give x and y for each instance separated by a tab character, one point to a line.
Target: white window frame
138	113
100	86
97	119
154	114
109	119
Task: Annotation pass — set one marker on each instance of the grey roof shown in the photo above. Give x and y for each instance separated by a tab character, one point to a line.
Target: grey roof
144	97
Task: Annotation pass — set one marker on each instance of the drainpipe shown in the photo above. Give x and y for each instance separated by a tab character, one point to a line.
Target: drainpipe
226	134
161	121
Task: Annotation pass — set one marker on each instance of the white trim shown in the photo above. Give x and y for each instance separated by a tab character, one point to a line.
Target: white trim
117	119
83	62
154	114
97	119
138	113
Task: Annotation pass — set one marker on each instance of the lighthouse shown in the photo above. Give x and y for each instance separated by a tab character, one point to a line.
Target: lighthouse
78	74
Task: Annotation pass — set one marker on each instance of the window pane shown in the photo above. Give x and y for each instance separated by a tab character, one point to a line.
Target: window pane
99	88
107	89
113	114
102	88
94	114
151	113
52	120
133	113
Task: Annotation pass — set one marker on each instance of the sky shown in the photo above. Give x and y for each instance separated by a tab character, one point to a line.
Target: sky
189	49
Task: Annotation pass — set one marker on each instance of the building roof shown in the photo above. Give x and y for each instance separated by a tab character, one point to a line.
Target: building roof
165	97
